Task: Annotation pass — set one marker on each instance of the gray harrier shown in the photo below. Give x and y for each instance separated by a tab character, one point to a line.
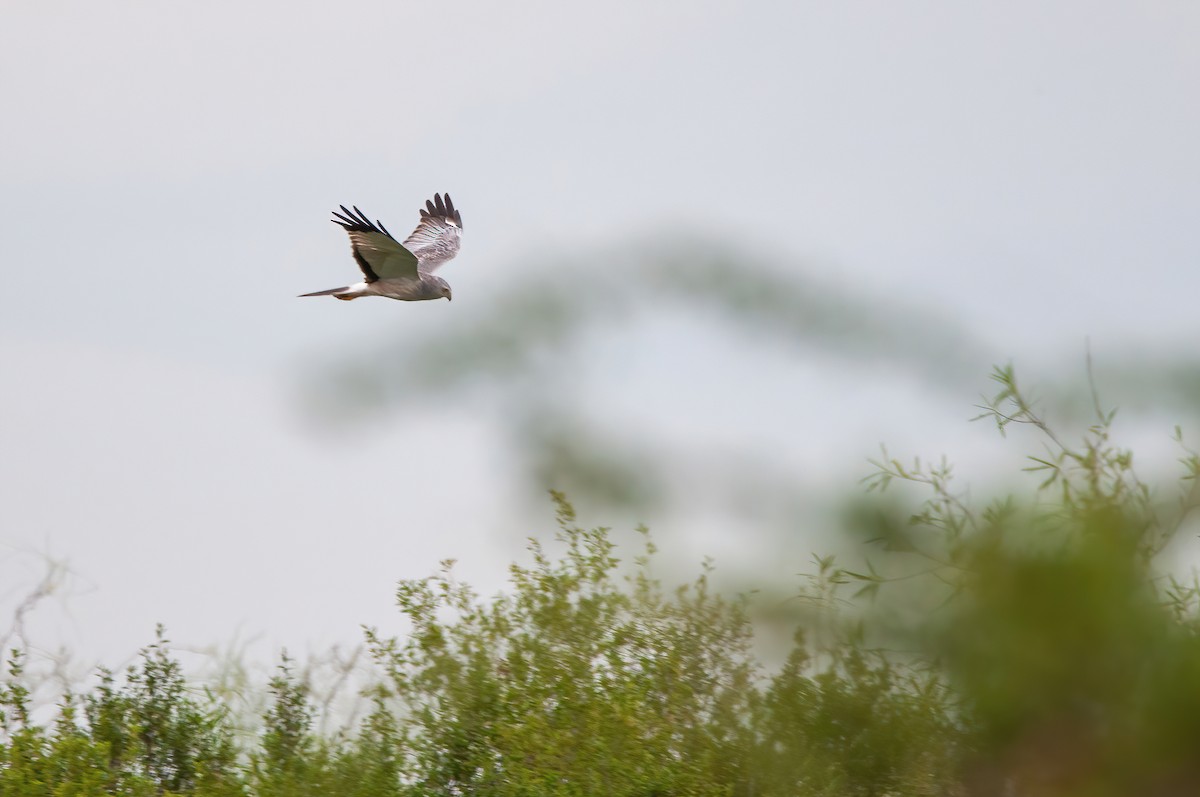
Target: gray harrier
395	270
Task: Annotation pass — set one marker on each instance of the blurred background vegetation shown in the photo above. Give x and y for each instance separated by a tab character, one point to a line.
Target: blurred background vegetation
551	357
953	640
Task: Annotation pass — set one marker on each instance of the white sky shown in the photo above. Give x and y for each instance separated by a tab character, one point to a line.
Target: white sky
1030	168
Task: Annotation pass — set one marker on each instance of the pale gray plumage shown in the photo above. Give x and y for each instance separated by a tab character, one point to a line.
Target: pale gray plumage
395	270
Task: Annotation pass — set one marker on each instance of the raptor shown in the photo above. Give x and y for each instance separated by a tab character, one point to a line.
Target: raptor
397	270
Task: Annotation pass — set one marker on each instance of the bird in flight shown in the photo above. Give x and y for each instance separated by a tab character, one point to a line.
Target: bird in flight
397	270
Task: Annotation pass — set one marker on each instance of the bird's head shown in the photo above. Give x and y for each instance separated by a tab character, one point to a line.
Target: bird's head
434	287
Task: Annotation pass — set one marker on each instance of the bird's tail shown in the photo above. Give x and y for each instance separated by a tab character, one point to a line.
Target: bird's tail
336	293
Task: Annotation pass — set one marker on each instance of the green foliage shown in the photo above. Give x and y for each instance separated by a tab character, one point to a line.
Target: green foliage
580	681
862	725
575	682
1026	645
1075	661
156	733
146	737
290	760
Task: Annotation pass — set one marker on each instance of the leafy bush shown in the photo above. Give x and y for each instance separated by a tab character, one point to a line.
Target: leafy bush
575	682
1030	645
148	736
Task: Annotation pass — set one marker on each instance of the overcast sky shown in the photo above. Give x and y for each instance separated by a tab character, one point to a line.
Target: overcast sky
1030	169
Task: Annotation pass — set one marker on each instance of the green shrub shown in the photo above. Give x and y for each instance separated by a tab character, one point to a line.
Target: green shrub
1030	645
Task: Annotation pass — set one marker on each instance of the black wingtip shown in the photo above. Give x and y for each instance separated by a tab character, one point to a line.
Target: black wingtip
346	218
439	208
452	213
354	220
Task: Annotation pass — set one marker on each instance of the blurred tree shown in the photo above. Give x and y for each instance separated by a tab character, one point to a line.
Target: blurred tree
1039	643
533	348
530	353
1074	656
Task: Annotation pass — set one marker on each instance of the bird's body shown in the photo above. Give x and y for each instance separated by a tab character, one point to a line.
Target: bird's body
425	287
395	270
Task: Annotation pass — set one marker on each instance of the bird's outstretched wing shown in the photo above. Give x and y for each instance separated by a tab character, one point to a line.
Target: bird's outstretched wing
378	254
436	238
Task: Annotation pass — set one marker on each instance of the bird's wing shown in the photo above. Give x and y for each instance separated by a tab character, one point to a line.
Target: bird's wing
436	238
378	254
